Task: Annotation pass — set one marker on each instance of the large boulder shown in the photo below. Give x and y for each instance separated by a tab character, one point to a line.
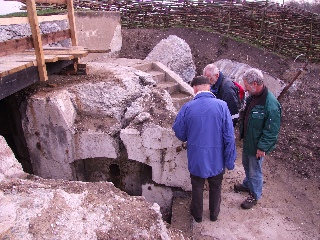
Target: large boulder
174	53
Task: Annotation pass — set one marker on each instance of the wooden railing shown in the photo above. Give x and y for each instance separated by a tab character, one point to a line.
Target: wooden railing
37	40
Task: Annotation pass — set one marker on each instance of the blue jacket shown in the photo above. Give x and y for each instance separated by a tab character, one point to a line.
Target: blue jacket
205	123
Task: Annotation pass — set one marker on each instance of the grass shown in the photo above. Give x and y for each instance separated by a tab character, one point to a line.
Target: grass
43	12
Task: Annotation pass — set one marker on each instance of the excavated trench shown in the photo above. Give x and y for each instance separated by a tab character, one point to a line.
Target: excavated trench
132	177
87	170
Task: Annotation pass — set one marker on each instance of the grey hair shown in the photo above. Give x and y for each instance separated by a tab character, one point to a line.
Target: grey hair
211	70
253	75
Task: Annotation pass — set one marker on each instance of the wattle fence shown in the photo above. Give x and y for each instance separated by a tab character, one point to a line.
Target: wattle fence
277	28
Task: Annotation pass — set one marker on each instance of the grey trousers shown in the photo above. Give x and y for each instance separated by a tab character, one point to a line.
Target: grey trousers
197	183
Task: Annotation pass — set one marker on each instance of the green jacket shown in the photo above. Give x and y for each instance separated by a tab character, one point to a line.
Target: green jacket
263	124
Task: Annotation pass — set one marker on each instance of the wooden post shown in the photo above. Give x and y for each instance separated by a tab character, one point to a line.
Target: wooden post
72	26
36	37
310	47
72	23
286	88
229	23
262	24
276	38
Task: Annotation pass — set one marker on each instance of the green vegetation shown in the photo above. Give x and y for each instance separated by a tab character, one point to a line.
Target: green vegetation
44	12
17	14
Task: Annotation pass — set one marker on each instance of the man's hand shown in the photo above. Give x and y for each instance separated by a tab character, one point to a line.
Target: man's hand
260	154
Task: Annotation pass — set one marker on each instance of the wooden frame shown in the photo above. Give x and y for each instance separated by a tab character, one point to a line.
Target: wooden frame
37	39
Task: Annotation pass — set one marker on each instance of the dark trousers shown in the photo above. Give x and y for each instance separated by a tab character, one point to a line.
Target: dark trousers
215	184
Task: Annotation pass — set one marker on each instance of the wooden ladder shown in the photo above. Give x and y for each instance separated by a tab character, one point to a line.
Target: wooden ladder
36	41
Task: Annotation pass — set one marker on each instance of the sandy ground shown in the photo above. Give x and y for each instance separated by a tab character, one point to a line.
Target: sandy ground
288	209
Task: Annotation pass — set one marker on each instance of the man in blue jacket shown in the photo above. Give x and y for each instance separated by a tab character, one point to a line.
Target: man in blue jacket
205	123
259	129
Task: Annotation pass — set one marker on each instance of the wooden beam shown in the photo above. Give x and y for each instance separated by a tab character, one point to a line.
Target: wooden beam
52	18
37	42
25	20
76	52
17	81
12	67
55	36
22	44
99	50
15	45
13	20
59	2
72	22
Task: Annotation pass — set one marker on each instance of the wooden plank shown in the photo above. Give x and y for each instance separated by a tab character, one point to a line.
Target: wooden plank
34	25
13	20
59	2
18	81
75	53
52	18
18	58
25	20
32	58
65	57
55	36
99	51
15	45
21	44
73	48
50	58
72	22
67	51
13	67
56	51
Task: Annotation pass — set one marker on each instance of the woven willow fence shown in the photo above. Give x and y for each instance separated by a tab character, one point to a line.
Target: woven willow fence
277	28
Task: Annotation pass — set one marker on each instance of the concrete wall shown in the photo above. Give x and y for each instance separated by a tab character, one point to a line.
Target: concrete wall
99	31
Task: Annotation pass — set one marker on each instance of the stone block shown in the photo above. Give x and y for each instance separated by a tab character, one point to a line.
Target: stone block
92	144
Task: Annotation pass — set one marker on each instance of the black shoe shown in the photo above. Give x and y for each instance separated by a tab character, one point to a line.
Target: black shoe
249	202
240	188
198	220
213	219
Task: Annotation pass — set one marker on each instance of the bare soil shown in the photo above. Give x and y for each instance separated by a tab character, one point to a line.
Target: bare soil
298	147
292	170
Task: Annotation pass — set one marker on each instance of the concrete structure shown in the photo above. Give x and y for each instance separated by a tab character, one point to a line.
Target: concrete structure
107	128
99	32
35	208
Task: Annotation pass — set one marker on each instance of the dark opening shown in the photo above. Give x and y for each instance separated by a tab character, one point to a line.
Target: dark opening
114	170
11	130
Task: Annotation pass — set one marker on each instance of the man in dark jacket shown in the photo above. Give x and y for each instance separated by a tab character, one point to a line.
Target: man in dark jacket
259	129
223	88
205	123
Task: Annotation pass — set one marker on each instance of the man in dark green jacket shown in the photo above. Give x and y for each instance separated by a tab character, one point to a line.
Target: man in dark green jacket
259	129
